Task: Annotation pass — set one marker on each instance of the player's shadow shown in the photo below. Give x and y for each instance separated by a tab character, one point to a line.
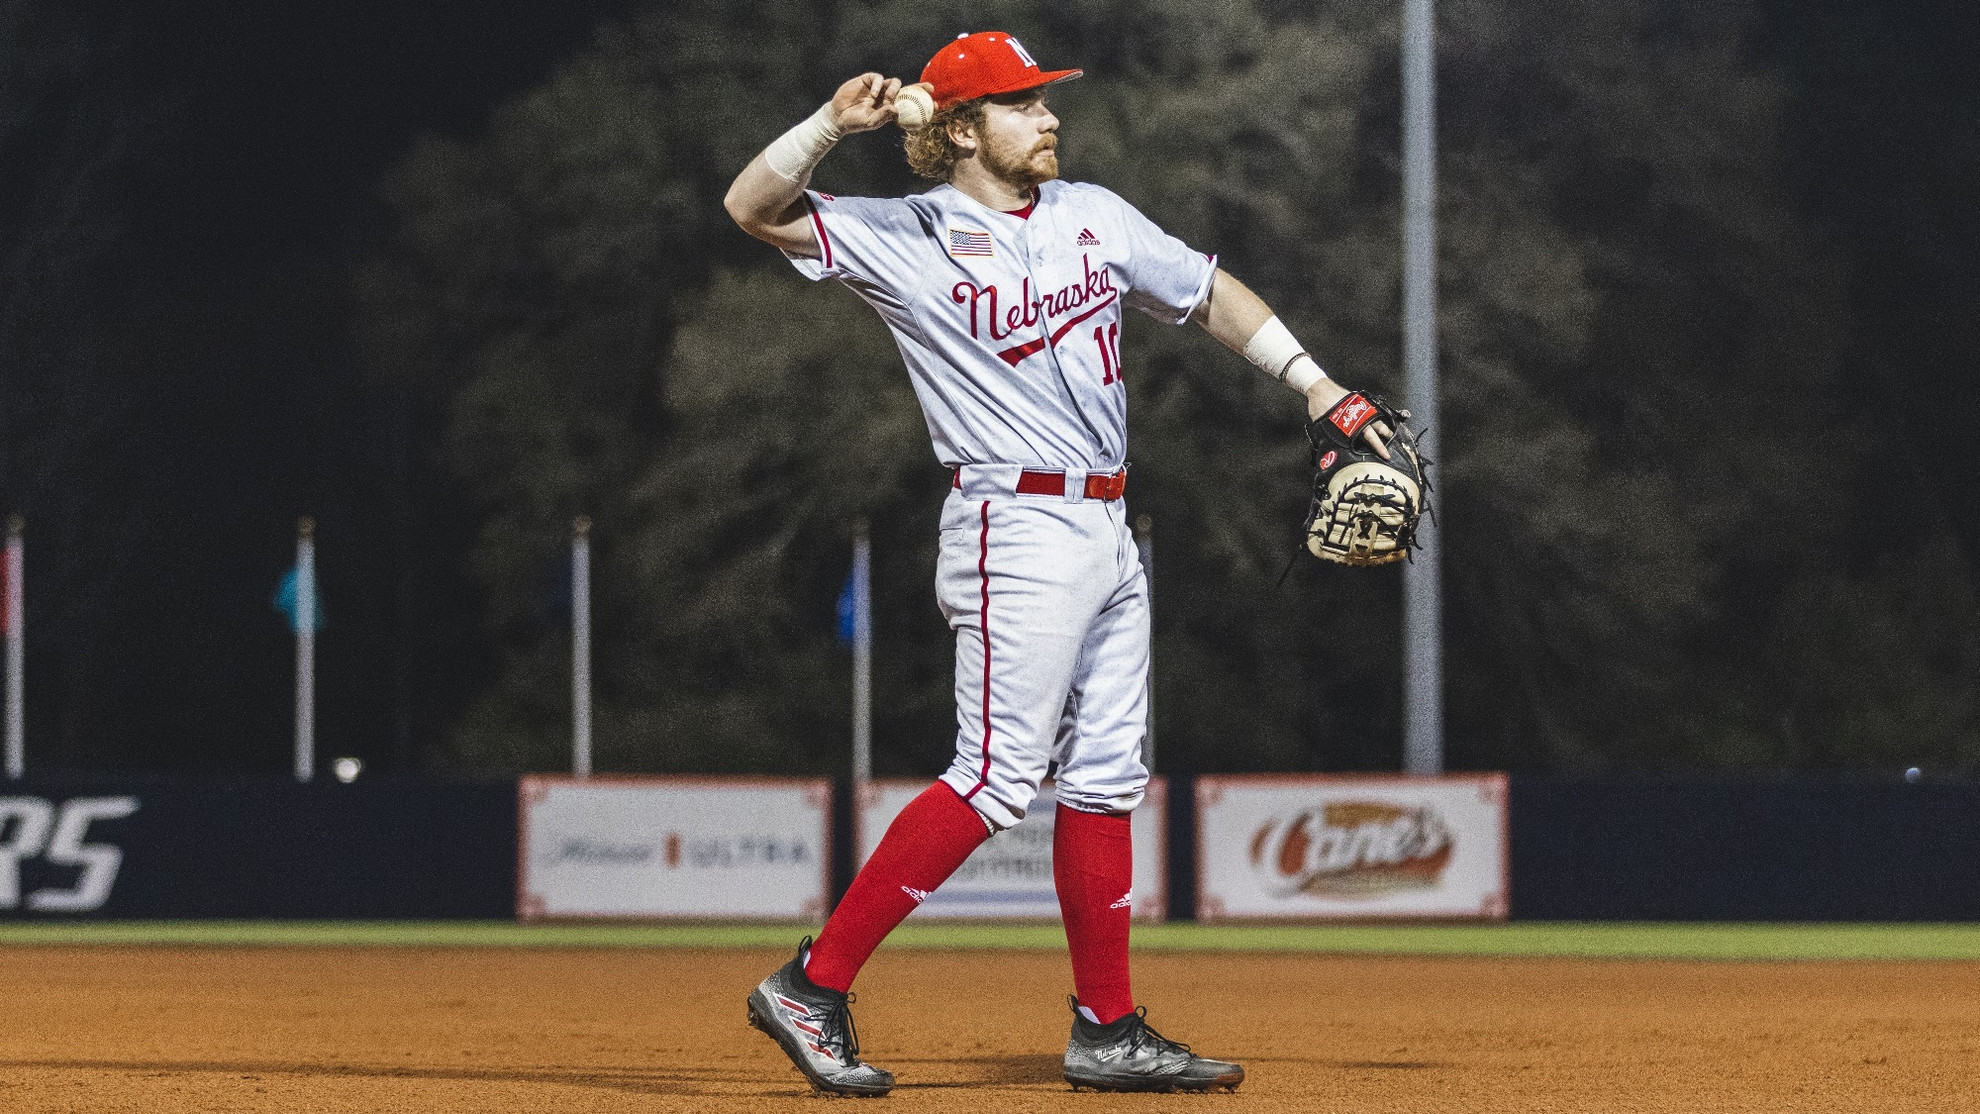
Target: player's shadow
639	1081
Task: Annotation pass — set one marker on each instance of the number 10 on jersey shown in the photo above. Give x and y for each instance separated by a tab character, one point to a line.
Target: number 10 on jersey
1108	338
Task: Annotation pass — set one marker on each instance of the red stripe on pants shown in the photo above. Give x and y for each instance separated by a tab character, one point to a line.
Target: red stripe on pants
983	571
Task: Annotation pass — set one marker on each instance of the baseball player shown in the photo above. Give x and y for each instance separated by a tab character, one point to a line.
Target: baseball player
1004	288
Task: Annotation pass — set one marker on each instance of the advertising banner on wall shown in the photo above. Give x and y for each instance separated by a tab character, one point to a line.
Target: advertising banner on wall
1351	847
1010	876
673	848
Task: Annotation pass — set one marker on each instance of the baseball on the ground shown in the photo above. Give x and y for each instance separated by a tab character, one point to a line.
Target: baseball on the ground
913	107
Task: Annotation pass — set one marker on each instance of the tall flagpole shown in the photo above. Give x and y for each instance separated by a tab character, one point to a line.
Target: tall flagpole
581	647
305	648
13	618
1423	652
862	578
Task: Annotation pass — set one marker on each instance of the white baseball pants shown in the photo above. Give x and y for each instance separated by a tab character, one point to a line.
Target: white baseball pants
1049	603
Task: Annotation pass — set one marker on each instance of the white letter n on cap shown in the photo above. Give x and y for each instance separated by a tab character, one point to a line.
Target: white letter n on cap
1023	54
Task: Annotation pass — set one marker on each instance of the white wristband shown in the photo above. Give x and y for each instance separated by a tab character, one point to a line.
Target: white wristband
792	155
1275	352
1303	373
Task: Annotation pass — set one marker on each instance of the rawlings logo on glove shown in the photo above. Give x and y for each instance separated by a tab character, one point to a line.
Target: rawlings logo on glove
1365	509
1351	413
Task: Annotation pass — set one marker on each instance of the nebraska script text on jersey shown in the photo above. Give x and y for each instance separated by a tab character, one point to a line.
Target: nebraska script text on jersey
1096	286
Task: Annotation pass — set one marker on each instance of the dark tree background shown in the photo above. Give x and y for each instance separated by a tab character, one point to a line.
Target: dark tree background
1706	281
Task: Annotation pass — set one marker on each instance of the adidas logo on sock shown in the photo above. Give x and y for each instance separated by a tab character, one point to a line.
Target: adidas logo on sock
1087	239
919	896
1126	901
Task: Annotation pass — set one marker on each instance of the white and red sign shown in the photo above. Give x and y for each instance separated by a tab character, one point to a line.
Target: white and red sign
1010	876
1351	847
674	848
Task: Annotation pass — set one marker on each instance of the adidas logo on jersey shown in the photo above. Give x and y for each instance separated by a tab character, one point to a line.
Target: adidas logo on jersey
919	896
1087	239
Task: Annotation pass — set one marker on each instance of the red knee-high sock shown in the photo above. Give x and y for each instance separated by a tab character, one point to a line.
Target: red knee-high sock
923	846
1093	868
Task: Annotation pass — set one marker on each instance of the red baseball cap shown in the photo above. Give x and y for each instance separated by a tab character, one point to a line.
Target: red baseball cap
984	65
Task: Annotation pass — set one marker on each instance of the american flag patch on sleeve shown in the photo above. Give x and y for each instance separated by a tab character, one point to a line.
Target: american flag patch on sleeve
963	242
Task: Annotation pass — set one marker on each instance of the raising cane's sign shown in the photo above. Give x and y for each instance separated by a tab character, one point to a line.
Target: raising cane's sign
1317	847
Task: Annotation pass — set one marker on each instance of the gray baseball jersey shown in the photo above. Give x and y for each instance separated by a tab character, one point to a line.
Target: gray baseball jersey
1009	325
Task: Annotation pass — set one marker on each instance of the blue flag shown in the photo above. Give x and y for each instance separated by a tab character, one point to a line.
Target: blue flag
848	606
285	602
855	599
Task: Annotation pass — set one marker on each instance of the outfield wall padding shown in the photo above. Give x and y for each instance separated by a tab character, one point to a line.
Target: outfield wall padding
1757	850
257	847
390	848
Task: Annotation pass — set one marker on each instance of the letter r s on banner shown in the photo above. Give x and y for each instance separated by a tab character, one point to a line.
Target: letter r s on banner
34	826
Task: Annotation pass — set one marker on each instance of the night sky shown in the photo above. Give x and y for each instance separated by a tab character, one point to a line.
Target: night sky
247	216
259	198
292	111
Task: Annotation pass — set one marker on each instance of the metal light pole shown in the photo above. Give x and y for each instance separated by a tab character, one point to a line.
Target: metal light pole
1423	653
13	618
581	647
305	648
862	578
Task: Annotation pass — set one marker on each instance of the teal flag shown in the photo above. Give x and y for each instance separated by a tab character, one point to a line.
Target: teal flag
285	602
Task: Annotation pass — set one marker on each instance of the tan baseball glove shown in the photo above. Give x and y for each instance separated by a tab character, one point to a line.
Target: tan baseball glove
1365	509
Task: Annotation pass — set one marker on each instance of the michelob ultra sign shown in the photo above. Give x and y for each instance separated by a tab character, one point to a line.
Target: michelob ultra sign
674	848
1316	847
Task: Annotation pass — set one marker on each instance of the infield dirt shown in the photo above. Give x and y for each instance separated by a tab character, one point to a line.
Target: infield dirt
459	1029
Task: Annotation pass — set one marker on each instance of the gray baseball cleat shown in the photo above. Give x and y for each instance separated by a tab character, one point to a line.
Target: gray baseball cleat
814	1027
1127	1055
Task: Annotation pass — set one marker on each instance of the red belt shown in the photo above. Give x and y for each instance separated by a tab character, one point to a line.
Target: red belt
1098	486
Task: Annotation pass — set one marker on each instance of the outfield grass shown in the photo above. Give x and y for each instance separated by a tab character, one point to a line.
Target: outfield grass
1607	940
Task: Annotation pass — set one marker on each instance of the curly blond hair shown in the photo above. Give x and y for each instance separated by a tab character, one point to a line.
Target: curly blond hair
930	151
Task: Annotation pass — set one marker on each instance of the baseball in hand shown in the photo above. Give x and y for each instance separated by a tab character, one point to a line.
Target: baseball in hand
913	108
